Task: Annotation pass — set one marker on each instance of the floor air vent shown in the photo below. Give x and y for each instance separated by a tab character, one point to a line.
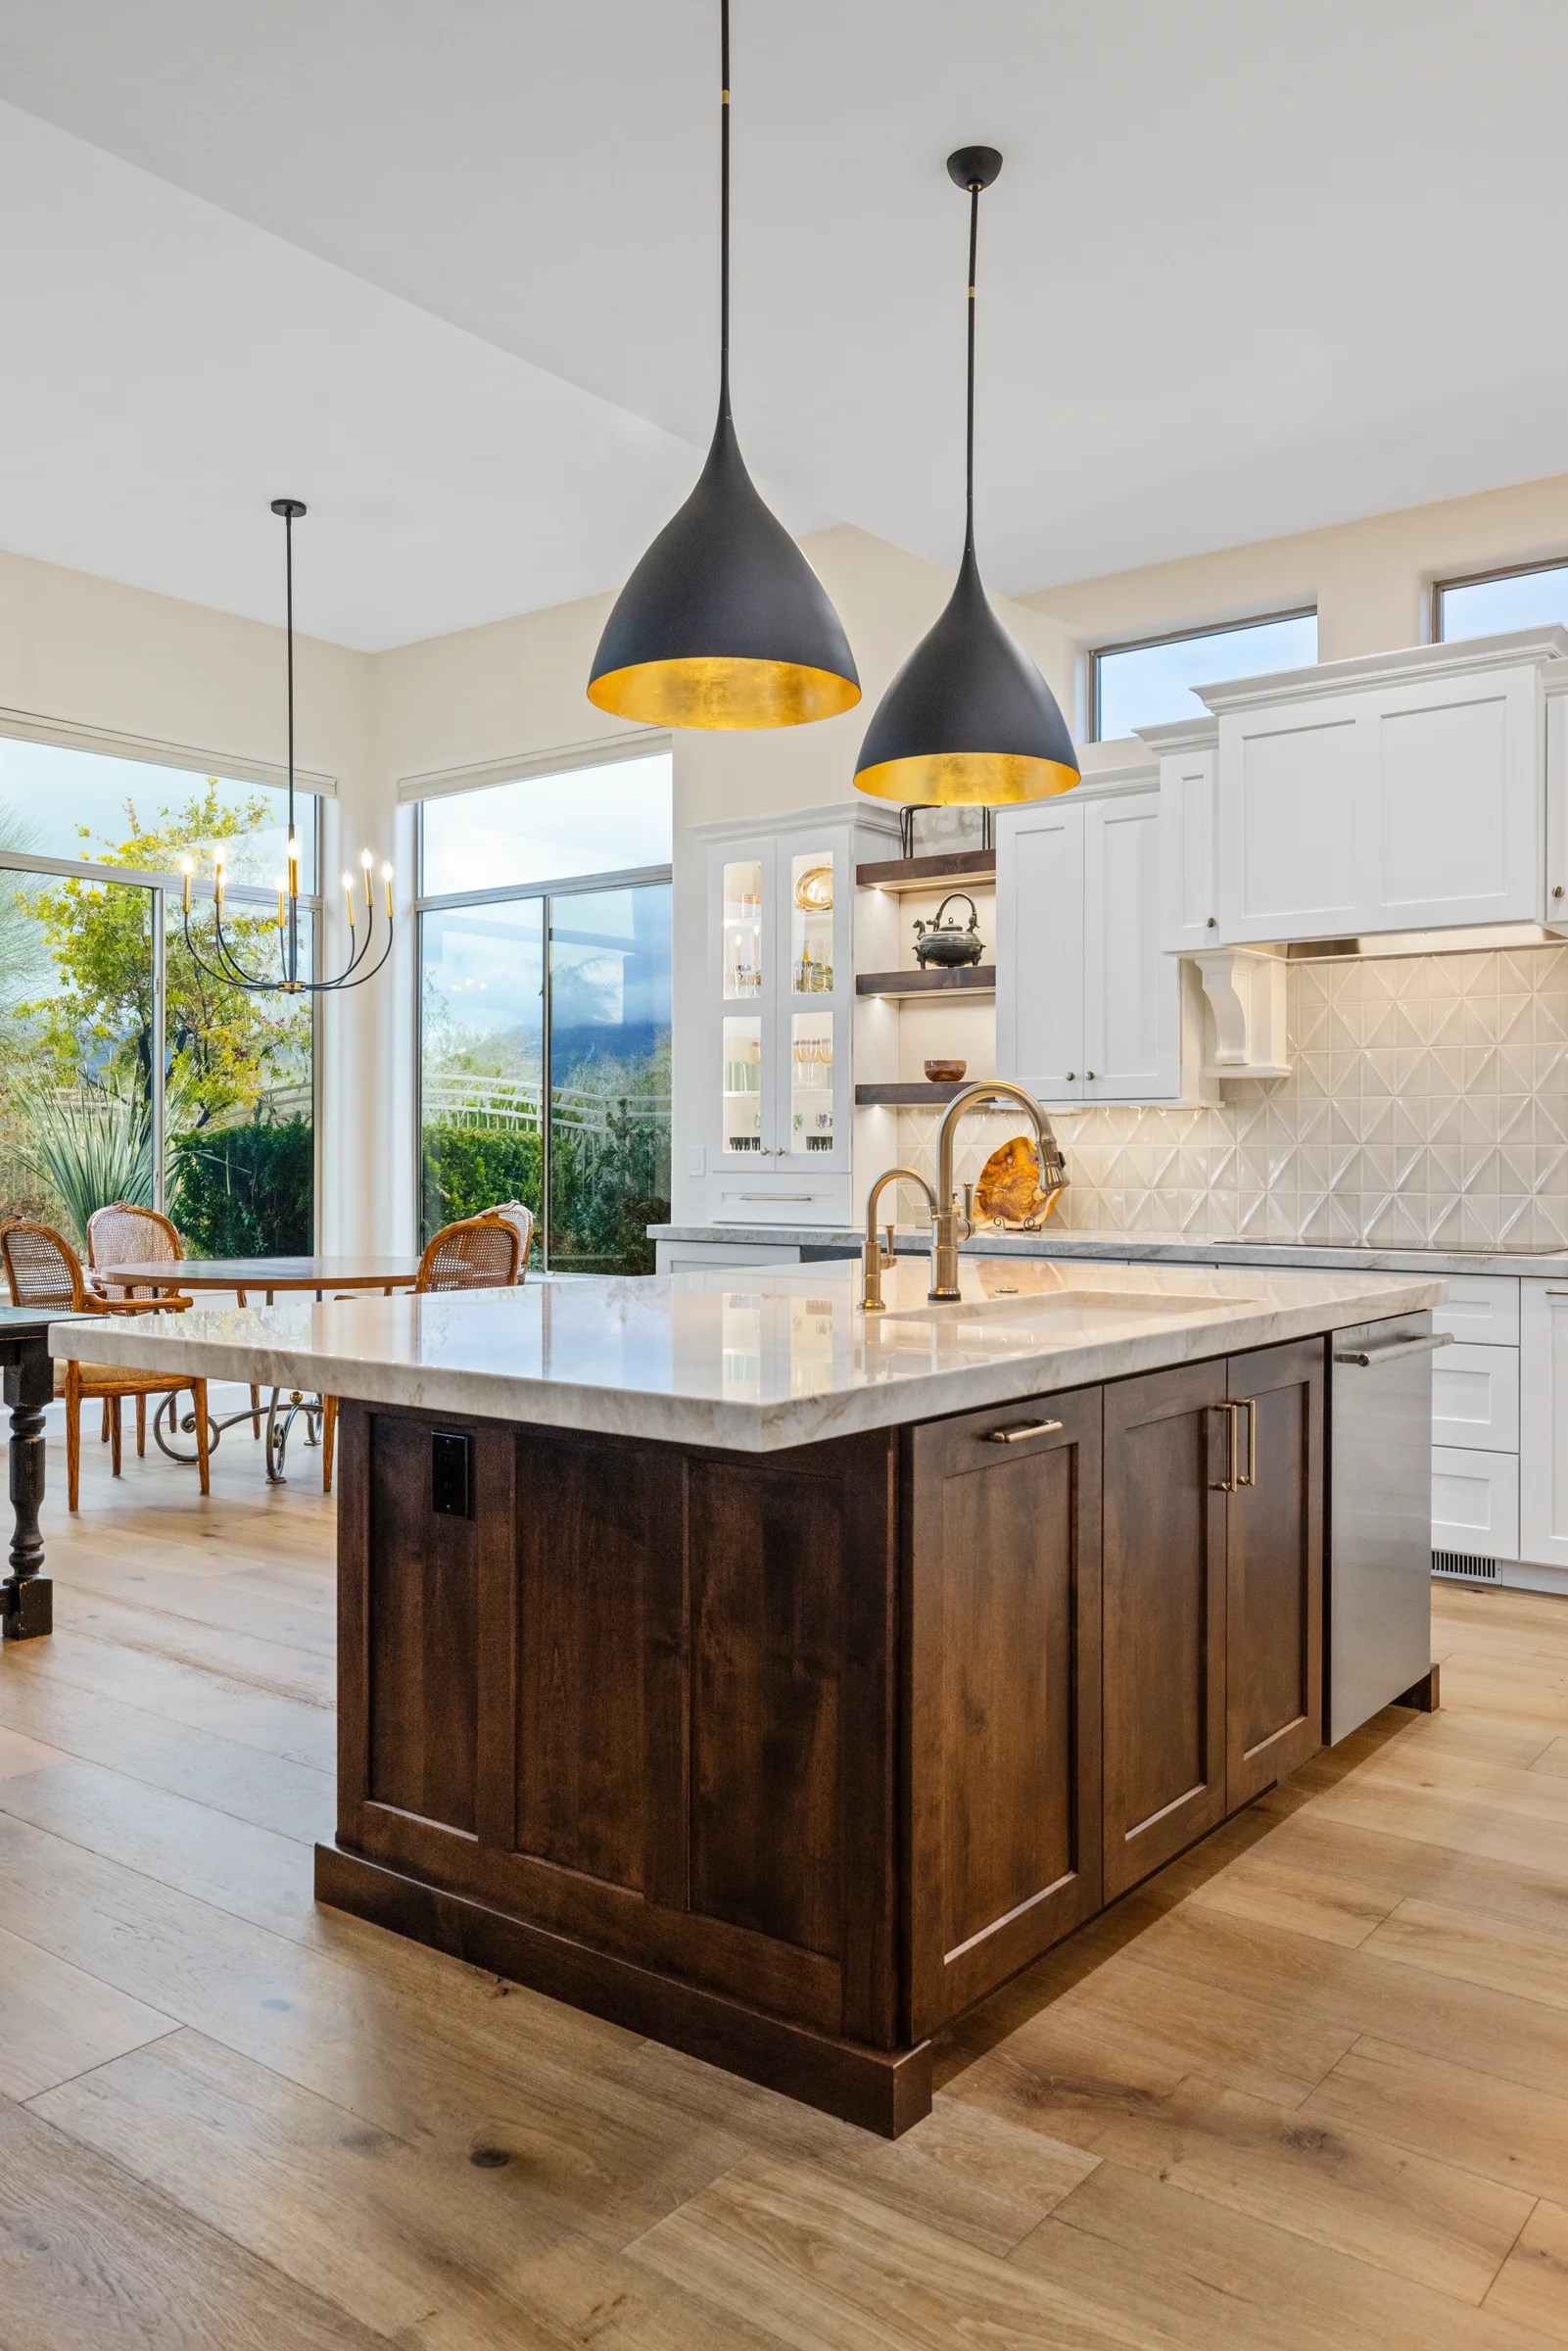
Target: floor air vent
1465	1565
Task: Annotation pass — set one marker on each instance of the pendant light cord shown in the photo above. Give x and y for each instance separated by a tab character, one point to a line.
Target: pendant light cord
293	960
969	440
723	208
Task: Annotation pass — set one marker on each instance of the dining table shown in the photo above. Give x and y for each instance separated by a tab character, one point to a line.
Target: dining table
243	1277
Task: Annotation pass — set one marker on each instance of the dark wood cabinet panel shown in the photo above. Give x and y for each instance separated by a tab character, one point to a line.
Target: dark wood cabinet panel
1004	1622
766	1565
423	1625
590	1530
1164	1631
1274	1568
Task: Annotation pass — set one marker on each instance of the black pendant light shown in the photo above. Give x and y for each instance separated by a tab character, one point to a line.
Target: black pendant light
724	623
969	718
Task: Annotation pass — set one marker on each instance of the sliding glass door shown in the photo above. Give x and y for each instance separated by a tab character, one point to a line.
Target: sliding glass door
544	1010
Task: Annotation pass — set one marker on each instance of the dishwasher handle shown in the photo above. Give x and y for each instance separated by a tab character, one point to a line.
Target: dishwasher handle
1394	1350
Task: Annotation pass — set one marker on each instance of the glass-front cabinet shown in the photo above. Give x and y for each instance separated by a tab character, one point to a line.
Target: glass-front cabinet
784	934
773	1099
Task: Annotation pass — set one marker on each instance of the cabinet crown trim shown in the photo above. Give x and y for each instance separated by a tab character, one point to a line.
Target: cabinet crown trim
1514	649
868	814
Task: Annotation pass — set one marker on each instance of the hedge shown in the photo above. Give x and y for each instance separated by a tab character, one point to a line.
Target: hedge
246	1191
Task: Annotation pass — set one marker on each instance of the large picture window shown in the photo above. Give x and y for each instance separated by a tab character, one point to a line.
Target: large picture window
127	1073
545	1009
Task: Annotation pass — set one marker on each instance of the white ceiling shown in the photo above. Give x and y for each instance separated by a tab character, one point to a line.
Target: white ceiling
449	274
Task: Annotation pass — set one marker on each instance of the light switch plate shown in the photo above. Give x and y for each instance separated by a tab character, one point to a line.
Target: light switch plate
696	1159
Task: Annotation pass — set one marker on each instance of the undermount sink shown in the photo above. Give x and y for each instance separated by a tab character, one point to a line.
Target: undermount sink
1062	1310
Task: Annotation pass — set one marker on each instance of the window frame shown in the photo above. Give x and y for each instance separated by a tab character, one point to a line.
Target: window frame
1479	578
1182	635
161	885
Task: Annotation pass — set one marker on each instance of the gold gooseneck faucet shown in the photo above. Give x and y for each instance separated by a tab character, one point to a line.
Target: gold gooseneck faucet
946	1216
878	1259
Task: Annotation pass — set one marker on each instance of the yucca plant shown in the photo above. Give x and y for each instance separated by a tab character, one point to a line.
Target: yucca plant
89	1148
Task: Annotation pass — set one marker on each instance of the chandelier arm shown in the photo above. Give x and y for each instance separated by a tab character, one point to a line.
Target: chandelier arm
226	973
236	970
351	976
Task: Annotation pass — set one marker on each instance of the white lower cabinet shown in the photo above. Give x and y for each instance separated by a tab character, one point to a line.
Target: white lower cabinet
1088	1009
1475	1397
1543	1421
1475	1503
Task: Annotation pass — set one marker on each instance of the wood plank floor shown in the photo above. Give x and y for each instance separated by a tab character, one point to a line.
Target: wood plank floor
1308	2088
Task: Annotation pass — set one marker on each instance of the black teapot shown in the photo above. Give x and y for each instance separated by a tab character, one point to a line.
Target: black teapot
943	942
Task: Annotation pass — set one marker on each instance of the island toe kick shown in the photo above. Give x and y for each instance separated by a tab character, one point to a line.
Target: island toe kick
787	1758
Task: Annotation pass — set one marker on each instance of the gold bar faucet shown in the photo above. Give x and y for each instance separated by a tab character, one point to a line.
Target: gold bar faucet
880	1260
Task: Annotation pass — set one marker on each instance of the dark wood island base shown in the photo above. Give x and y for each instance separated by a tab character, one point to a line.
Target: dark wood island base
787	1758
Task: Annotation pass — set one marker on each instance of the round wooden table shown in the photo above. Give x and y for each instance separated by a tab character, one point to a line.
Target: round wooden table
325	1276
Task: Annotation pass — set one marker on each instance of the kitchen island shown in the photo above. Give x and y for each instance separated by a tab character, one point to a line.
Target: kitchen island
777	1679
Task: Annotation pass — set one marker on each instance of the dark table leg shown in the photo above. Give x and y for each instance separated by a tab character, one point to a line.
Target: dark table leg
26	1597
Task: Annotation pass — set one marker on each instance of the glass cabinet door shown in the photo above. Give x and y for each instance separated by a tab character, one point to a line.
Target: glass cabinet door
741	1047
811	1083
741	926
811	923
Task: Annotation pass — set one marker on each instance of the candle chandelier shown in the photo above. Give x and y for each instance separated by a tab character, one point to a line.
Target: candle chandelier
227	968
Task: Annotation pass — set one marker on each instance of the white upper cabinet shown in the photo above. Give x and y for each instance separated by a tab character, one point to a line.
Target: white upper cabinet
1131	993
1039	947
1087	1007
1407	791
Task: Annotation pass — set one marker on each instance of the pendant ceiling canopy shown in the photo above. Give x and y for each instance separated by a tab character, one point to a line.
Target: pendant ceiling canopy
724	623
969	718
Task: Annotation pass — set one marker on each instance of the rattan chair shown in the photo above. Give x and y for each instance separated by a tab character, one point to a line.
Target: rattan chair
44	1271
478	1253
123	1235
518	1212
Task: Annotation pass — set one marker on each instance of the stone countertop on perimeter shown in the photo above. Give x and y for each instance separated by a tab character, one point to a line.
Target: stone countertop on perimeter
750	1357
1065	1244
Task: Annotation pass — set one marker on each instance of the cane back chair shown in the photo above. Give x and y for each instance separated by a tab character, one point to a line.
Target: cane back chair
123	1235
42	1269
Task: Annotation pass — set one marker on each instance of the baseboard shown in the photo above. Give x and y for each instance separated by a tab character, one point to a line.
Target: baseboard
885	2090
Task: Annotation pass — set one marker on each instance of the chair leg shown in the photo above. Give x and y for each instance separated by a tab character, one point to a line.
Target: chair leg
141	1429
256	1414
199	1392
329	1435
72	1437
103	1433
113	1434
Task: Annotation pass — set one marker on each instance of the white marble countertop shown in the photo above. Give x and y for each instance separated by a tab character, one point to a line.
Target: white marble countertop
750	1357
1066	1242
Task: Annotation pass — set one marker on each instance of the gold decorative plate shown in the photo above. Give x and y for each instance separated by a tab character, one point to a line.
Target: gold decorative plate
1008	1189
814	892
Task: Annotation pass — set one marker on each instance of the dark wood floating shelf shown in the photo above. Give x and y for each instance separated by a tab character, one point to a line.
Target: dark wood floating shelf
971	979
912	1093
929	873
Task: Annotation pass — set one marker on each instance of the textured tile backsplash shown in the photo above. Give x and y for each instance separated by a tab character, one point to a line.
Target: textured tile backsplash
1427	1105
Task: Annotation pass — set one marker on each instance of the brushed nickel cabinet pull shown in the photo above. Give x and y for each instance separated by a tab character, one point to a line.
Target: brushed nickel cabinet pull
1016	1436
1228	1485
1248	1404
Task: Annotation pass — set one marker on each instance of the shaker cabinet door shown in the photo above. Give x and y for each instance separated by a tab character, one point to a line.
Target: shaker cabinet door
1163	1626
1274	1568
1039	949
1131	992
1188	920
1004	1626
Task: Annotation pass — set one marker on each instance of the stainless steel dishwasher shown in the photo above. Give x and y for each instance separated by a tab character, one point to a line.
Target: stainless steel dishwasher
1380	1515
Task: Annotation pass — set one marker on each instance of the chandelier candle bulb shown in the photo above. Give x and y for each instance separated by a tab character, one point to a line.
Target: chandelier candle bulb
385	876
187	868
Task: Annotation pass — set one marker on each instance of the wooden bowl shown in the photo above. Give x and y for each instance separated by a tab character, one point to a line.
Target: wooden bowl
945	1073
